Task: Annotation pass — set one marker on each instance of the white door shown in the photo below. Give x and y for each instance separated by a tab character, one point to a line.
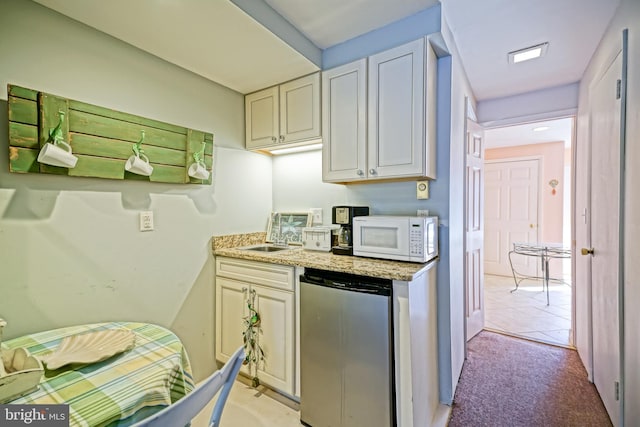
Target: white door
396	111
474	276
510	214
300	109
605	224
344	122
276	337
262	118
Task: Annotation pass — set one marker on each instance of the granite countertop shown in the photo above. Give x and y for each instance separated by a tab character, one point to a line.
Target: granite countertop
296	256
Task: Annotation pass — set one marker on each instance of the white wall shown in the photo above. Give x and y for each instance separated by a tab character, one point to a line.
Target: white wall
70	251
627	16
558	101
460	93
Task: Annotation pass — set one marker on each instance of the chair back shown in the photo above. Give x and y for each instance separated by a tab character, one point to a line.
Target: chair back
184	410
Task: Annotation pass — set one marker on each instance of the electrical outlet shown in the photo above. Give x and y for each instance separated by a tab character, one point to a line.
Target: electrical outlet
316	215
423	212
146	221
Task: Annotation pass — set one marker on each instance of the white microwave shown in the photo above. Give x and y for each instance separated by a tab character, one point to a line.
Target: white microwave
403	238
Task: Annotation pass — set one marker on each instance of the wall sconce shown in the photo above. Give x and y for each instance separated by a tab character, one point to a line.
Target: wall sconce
57	152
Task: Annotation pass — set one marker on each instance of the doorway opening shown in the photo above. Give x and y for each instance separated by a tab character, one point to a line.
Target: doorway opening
528	285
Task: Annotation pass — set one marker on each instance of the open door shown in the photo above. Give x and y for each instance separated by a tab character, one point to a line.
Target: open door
605	118
474	234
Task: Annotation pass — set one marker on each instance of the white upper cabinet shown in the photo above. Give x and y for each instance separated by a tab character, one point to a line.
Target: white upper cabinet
300	109
284	115
396	107
262	118
344	124
389	132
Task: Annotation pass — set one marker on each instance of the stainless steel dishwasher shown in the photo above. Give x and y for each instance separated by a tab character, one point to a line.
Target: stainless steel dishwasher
346	351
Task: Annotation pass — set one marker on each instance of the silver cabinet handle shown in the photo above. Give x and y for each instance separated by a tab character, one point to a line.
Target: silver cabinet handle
372	171
274	139
281	138
359	172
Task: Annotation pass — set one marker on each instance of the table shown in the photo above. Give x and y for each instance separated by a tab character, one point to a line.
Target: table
544	251
120	390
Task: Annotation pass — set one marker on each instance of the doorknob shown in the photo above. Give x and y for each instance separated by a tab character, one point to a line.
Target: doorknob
532	225
585	251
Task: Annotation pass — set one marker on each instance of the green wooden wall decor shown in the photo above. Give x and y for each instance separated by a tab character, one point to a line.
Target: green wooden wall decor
101	138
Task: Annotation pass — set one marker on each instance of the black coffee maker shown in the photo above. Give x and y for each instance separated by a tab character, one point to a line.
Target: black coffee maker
343	216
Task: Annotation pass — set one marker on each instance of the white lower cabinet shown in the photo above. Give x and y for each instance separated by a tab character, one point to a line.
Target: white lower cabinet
272	288
415	335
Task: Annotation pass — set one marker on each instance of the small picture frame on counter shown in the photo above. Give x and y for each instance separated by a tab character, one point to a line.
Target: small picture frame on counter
287	227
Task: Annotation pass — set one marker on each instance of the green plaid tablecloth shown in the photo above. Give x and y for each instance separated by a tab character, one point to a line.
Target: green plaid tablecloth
120	390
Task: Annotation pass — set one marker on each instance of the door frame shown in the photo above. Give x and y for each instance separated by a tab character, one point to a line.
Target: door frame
572	210
621	267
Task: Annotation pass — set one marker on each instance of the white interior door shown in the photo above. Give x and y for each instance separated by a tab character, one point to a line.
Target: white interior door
474	276
605	229
510	214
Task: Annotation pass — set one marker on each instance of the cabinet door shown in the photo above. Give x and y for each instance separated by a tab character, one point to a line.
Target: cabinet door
300	109
262	118
344	109
230	310
276	337
396	112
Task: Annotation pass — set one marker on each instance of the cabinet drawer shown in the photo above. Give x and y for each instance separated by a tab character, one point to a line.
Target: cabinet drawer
261	273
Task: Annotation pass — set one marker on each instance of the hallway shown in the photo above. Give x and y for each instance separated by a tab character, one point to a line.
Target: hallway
525	313
510	382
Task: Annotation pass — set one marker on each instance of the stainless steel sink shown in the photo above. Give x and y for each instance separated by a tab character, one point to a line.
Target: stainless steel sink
264	248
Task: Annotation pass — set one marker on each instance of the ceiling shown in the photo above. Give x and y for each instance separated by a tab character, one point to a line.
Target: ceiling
558	130
329	22
212	38
218	41
486	31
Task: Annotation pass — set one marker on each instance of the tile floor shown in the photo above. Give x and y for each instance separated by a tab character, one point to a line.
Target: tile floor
249	407
525	312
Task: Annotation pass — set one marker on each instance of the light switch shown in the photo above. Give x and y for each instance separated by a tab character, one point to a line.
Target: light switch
146	221
316	215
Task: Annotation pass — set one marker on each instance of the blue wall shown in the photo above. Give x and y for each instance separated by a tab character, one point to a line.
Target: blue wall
405	30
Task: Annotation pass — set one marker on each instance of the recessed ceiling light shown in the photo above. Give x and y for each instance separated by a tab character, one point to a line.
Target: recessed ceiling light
541	128
528	53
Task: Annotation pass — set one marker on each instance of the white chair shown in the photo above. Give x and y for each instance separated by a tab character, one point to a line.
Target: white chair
184	410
